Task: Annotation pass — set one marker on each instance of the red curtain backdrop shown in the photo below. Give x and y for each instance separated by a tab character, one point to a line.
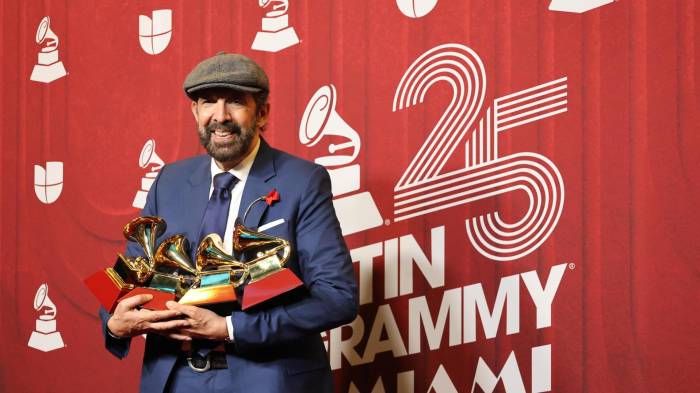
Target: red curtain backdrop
627	148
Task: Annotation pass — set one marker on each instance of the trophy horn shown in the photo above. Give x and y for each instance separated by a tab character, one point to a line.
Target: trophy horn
211	253
245	239
144	231
173	252
265	249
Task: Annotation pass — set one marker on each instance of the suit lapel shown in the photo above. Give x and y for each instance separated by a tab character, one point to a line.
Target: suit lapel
200	181
256	185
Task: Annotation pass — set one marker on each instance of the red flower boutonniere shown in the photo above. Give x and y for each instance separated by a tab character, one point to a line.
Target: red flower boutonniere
272	197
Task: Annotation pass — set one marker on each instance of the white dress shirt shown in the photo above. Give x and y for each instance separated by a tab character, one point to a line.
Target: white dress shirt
241	172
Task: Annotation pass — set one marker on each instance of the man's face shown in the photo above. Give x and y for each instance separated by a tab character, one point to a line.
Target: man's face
228	123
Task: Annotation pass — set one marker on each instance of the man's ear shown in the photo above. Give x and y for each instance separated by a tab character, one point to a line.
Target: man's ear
194	111
263	114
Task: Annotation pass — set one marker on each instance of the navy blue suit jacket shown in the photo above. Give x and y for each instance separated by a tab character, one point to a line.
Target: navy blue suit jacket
277	345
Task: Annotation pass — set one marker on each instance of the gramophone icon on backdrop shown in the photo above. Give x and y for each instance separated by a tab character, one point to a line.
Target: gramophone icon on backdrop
356	211
276	33
148	159
45	337
49	68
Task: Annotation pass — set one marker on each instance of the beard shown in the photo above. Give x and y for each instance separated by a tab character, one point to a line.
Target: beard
234	150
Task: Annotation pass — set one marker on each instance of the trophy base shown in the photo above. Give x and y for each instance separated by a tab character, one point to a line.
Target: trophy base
209	295
48	73
106	290
158	301
275	41
275	284
46	342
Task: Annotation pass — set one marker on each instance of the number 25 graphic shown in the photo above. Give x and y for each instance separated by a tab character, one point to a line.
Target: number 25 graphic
424	188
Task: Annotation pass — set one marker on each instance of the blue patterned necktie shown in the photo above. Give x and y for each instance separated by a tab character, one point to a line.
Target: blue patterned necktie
214	221
216	214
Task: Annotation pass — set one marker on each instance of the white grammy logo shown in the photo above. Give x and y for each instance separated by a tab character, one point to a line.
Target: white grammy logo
48	182
155	33
577	6
320	120
276	33
49	68
45	337
147	158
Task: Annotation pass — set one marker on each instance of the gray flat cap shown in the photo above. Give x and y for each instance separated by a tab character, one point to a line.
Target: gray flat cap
227	70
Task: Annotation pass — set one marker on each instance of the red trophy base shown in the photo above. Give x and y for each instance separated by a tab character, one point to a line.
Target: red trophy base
275	284
107	290
158	301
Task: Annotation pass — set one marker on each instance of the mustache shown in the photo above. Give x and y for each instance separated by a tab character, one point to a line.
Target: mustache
227	126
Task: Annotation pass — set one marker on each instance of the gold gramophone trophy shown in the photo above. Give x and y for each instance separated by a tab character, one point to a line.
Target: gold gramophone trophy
164	273
112	284
265	257
217	274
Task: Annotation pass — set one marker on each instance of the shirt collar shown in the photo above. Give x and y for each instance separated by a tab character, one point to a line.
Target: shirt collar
242	169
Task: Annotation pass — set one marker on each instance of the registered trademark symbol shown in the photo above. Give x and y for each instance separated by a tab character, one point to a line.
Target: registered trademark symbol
387	222
572	266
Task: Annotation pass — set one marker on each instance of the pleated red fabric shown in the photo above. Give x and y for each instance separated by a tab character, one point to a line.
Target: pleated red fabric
626	148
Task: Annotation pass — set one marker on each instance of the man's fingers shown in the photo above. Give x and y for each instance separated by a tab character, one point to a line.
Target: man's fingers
192	333
179	337
183	308
155	316
132	302
168	325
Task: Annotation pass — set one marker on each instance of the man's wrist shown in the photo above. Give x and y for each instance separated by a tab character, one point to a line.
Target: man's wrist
112	334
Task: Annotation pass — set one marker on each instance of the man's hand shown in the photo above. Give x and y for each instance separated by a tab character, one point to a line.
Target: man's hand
128	321
202	323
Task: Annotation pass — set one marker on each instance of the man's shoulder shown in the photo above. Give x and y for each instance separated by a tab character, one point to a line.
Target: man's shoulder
188	164
287	162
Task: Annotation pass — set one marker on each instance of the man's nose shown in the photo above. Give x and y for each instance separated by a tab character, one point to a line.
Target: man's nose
221	115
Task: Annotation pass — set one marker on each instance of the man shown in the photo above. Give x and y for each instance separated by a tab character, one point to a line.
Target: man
273	347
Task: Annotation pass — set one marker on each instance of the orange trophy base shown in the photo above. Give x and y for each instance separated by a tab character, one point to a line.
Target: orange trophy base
209	295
